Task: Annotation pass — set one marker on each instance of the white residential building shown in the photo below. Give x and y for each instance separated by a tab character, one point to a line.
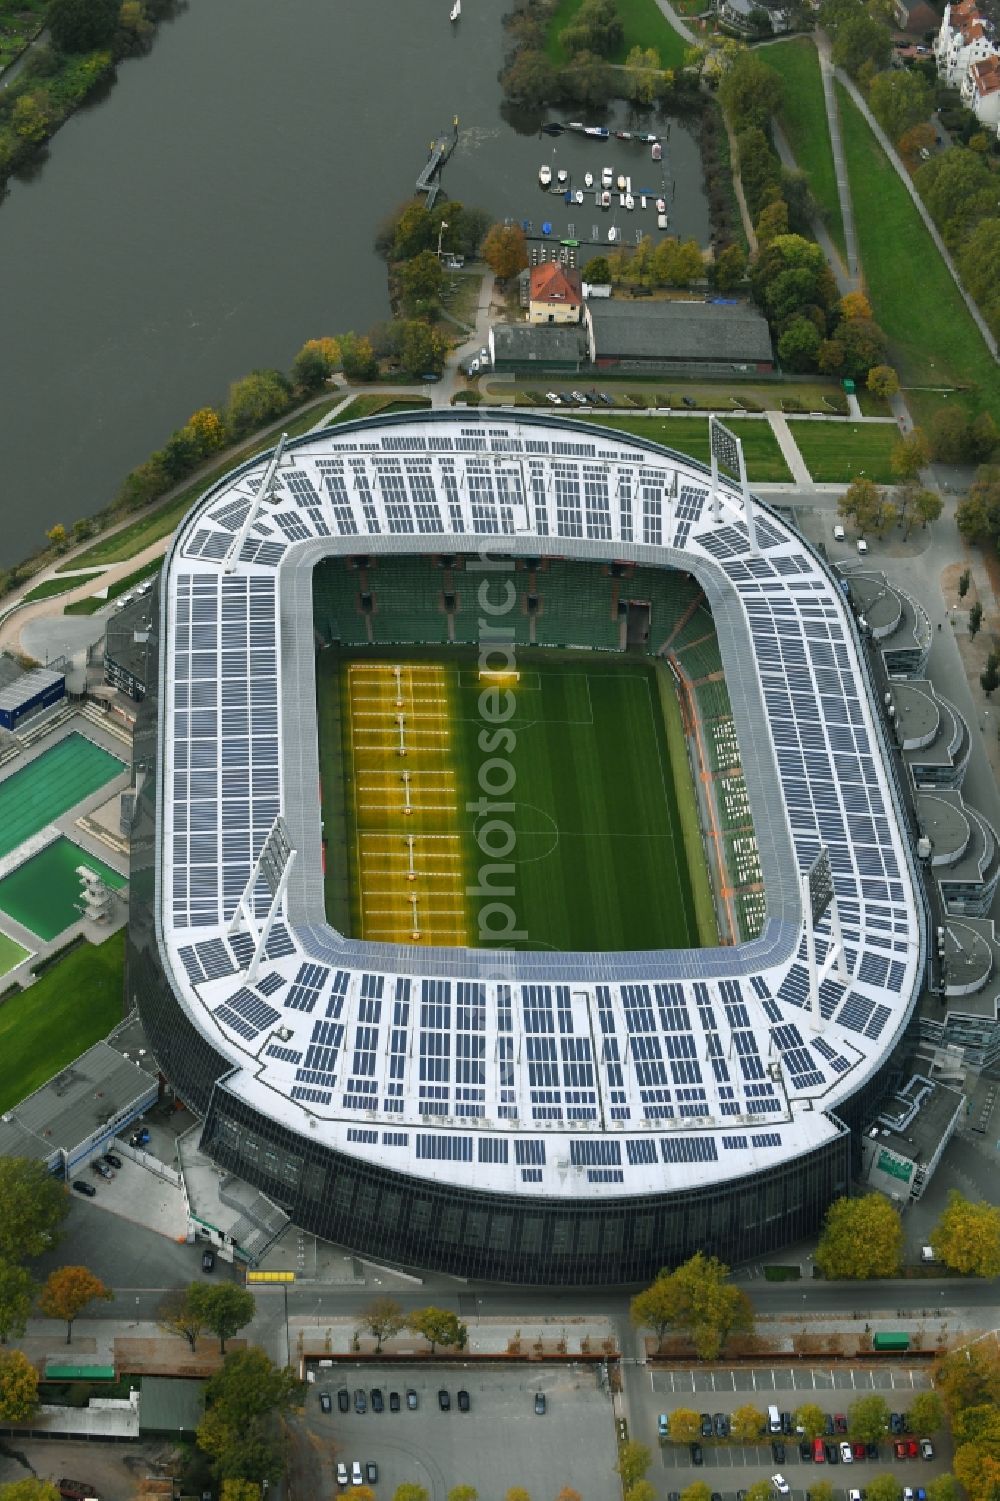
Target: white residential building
981	91
965	37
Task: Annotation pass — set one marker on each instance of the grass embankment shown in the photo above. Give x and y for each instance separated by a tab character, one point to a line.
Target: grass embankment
934	342
803	119
95	602
689	435
58	586
687	810
11	954
162	520
644	24
71	1006
370	406
837	452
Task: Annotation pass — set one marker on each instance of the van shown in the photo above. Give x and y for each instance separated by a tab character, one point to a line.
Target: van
927	1253
773	1420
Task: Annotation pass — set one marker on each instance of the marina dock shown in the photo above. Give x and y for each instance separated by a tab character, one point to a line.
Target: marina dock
429	181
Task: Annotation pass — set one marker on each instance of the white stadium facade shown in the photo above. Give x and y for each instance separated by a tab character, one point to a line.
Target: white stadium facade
532	1117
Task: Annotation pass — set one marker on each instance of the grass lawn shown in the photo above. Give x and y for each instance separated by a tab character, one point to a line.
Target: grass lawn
839	451
595	842
55	586
689	435
645	26
73	1004
934	341
803	119
11	954
368	405
161	521
96	601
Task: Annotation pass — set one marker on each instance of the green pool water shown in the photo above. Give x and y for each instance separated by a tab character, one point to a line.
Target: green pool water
43	894
59	779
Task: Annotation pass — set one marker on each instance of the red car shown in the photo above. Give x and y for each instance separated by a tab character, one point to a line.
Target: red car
819	1457
859	1451
912	1448
902	1448
840	1422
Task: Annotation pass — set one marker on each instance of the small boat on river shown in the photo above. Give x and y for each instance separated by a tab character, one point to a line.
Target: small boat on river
545	175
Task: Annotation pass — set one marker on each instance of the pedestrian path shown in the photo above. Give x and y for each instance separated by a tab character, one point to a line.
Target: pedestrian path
839	161
789	448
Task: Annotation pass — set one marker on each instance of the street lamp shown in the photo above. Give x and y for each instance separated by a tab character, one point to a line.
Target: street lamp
441	229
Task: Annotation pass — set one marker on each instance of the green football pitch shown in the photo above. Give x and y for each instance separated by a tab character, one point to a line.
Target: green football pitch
586	850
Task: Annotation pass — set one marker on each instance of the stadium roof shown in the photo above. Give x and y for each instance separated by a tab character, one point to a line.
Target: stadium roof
565	1074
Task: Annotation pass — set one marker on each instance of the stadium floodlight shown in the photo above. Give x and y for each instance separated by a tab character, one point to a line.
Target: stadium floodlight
818	896
727	453
274	864
265	491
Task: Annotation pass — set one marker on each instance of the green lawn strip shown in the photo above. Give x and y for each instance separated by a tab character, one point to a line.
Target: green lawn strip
158	523
837	452
332	769
11	954
58	586
644	24
121	586
71	1006
764	460
373	405
687	807
934	341
803	119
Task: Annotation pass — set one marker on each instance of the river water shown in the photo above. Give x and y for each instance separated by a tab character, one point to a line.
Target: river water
217	208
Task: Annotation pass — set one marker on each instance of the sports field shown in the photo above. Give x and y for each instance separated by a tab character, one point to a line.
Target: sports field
43	894
582	848
50	785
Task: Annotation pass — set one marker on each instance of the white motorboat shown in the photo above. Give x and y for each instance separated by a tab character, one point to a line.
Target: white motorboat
629	201
612	233
621	200
578	196
588	179
607	177
661	205
656	151
621	182
545	176
605	199
562	176
455	11
661	221
642	201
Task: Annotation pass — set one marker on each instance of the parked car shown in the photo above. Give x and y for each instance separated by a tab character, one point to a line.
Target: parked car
913	1449
827	1423
101	1169
786	1424
706	1425
344	1399
208	1260
900	1448
839	1422
342	1476
357	1478
720	1423
697	1455
858	1450
579	398
832	1453
444	1400
112	1159
553	398
87	1189
846	1453
926	1449
360	1401
75	1490
780	1484
838	532
139	1138
393	1401
777	1451
463	1401
371	1472
689	401
325	1402
378	1405
862	546
411	1399
854	1496
907	1493
608	401
662	1426
817	1451
806	1452
871	1451
540	1404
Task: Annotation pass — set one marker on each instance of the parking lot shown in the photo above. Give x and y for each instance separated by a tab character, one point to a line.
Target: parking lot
501	1442
730	1467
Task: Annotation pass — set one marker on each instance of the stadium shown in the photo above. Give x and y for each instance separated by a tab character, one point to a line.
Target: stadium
520	883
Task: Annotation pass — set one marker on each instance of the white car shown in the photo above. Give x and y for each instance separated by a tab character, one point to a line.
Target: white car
342	1476
907	1493
862	546
846	1453
853	1496
780	1484
554	398
357	1478
926	1449
838	532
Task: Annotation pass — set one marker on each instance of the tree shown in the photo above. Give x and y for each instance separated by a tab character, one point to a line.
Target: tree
315	363
864	346
178	1315
242	1398
883	380
384	1318
223	1307
799	345
16	1297
569	1494
909	455
949	435
505	250
709	1308
596	28
760	1491
642	1490
654	1308
642	72
983	438
697	1491
751	92
516	1493
863	503
461	1493
439	1326
821	1491
861	1238
634	1459
926	1412
530	78
811	1418
422	278
31	118
598	272
975	618
82	25
18	1387
884	1488
964	580
249	1490
943	1488
34	1206
684	1424
863	39
358	357
255	400
747	1423
68	1291
989	680
967	1235
730	267
421	348
29	1489
409	1491
772	221
868	1418
900	99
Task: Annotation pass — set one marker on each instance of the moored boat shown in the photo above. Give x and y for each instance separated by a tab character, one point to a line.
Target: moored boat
562	175
553	128
629	201
661	221
661	205
455	11
588	179
578	196
656	151
599	132
605	199
545	175
612	233
621	182
607	177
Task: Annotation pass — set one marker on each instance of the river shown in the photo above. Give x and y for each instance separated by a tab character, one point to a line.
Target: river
217	208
